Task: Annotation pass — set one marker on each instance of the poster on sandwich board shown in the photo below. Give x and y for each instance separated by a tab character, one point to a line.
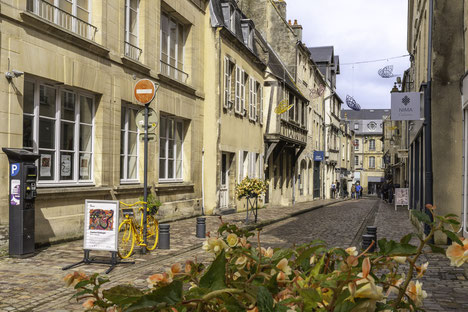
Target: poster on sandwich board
101	225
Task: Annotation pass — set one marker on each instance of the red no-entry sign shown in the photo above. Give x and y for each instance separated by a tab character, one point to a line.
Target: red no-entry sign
144	91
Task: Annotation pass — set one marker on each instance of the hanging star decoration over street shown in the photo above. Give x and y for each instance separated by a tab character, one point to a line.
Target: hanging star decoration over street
315	93
351	102
386	72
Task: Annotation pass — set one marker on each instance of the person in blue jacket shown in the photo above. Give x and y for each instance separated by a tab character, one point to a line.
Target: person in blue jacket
358	190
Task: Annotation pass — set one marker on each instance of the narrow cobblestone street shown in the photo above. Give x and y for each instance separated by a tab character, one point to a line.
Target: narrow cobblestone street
35	284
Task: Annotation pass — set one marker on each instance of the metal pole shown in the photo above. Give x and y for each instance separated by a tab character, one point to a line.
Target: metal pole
145	179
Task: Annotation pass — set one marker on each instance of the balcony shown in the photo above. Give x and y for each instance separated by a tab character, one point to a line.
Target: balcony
293	132
61	18
173	72
132	51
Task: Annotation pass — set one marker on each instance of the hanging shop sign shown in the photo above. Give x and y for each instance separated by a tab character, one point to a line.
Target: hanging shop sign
319	156
101	225
406	105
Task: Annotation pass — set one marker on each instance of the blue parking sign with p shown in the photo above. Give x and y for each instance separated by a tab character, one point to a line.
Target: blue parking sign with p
14	169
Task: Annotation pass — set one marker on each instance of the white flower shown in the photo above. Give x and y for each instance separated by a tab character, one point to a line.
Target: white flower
283	266
416	293
351	251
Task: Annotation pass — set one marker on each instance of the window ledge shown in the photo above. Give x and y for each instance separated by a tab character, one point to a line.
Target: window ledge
63	34
70	191
134	64
174	187
177	84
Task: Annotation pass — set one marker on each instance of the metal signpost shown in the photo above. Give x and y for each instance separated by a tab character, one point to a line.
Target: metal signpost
144	92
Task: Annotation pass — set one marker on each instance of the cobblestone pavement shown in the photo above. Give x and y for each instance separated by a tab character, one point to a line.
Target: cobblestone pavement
35	284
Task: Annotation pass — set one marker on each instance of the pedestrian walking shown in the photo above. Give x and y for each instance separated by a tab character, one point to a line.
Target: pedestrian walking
358	190
353	191
333	190
338	189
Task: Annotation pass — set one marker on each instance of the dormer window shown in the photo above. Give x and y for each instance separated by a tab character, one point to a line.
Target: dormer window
247	32
229	16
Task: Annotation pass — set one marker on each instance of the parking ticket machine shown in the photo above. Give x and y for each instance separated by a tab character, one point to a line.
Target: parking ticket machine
23	178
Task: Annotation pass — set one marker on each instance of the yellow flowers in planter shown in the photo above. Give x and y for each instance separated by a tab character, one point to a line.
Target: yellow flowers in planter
251	187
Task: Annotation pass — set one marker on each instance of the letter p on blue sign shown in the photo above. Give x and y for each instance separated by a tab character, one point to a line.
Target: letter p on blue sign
14	169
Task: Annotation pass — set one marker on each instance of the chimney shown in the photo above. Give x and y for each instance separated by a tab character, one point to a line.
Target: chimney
281	5
297	30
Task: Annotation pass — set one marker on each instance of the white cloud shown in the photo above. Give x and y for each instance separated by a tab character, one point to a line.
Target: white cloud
360	30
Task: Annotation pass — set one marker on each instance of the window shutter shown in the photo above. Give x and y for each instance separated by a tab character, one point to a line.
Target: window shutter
260	104
237	90
226	82
240	166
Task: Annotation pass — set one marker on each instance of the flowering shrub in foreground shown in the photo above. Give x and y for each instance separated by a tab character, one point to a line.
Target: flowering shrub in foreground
245	276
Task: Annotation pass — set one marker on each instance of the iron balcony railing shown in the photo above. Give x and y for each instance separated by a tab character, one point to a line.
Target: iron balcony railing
132	51
173	72
62	18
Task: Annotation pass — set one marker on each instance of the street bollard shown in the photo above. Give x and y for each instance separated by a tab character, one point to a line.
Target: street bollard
201	227
372	230
366	241
164	237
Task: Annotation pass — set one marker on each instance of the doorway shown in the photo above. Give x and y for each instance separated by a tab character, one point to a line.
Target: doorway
224	185
316	179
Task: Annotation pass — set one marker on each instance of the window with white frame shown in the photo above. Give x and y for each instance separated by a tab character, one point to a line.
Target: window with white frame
244	79
356	160
238	89
172	47
58	124
372	162
131	28
372	144
129	144
228	72
171	149
356	126
356	144
253	99
229	16
260	103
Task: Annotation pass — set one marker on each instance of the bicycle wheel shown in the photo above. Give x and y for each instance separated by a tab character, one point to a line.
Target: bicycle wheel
152	233
126	239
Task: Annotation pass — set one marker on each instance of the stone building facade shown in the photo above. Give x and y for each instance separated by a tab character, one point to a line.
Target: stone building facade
435	149
367	125
75	106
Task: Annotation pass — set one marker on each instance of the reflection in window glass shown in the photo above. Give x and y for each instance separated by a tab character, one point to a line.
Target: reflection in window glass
64	145
129	144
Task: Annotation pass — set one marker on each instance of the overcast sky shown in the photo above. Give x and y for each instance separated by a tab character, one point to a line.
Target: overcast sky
360	30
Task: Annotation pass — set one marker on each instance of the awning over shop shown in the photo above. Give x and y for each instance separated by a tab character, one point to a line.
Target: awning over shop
375	179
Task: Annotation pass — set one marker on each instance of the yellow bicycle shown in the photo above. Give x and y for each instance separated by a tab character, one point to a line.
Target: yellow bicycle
131	231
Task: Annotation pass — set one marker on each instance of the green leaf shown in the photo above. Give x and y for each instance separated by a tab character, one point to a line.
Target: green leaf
316	270
311	297
406	239
264	300
280	254
122	294
437	249
83	283
396	249
383	245
345	306
304	259
161	297
421	216
281	308
214	278
453	237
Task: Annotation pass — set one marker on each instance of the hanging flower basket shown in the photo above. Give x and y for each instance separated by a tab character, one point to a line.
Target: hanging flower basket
250	188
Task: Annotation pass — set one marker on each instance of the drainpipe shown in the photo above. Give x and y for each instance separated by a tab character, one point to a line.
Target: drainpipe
428	122
220	100
203	181
325	141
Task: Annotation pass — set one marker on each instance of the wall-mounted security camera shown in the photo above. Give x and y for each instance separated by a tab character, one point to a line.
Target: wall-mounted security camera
14	74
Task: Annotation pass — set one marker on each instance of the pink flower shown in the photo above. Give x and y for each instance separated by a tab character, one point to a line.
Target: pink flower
88	304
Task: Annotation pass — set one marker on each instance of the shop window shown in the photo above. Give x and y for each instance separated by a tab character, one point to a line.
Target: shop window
171	149
58	124
129	145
